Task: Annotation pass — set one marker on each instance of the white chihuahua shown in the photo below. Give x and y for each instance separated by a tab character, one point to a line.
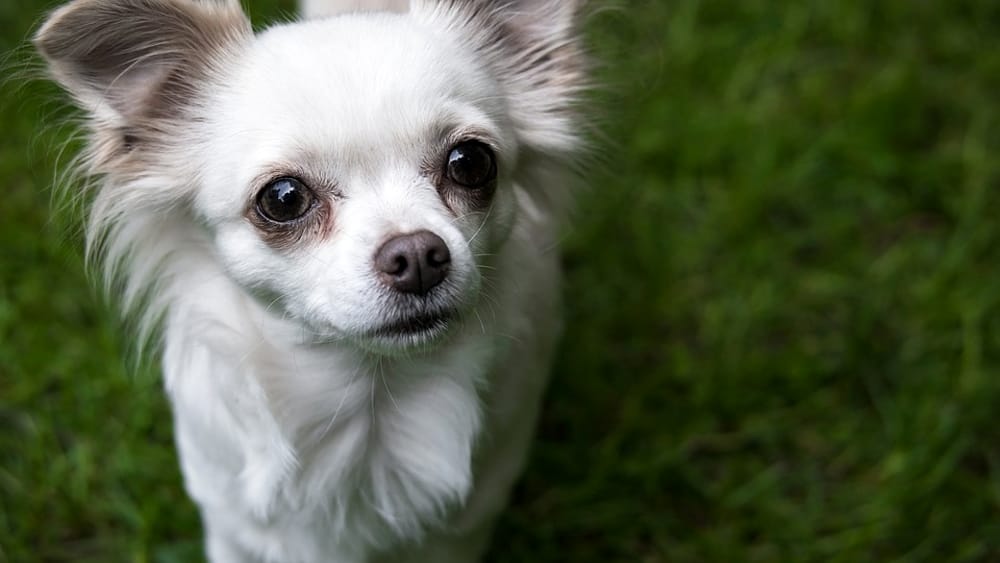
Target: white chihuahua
345	228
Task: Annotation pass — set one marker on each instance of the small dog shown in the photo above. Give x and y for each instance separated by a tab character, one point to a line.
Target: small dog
344	228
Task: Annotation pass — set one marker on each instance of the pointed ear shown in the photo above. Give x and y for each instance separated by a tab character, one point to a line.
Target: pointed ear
535	48
130	61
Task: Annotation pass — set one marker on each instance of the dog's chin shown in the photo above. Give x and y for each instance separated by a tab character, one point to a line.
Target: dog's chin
408	334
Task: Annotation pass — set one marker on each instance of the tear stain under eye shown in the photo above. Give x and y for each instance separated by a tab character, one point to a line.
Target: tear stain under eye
314	227
317	225
460	200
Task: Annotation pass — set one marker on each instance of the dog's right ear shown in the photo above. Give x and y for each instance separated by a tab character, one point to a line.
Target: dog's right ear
130	63
535	48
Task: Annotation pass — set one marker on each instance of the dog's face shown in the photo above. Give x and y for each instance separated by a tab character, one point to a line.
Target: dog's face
359	175
354	174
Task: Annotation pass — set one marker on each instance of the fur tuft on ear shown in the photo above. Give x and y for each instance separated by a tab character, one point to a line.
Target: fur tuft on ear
129	62
535	48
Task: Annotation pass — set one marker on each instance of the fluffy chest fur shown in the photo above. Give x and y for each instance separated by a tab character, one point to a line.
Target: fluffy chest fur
303	449
300	433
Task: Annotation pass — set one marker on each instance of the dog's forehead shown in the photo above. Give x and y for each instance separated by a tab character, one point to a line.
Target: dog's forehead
359	83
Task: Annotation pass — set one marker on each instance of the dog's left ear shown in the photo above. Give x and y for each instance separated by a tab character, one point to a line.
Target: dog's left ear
535	48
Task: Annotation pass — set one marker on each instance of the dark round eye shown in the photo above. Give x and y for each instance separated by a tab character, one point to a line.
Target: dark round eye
472	164
284	200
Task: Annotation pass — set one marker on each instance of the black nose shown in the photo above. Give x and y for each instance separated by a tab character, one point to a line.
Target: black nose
413	263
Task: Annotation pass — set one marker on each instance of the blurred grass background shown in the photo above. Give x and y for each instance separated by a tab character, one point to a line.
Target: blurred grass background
783	295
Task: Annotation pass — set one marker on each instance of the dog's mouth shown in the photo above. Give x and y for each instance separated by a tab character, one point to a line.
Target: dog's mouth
415	325
417	329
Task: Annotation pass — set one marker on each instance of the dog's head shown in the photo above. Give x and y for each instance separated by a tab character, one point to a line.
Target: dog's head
353	173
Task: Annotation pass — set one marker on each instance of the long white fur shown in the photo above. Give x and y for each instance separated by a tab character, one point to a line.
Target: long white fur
301	441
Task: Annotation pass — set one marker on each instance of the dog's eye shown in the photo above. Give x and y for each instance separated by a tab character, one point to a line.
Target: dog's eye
284	200
472	165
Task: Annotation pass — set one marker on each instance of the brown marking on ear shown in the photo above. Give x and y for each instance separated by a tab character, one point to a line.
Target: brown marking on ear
129	139
136	64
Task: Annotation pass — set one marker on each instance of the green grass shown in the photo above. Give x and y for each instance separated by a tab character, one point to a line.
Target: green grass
783	303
